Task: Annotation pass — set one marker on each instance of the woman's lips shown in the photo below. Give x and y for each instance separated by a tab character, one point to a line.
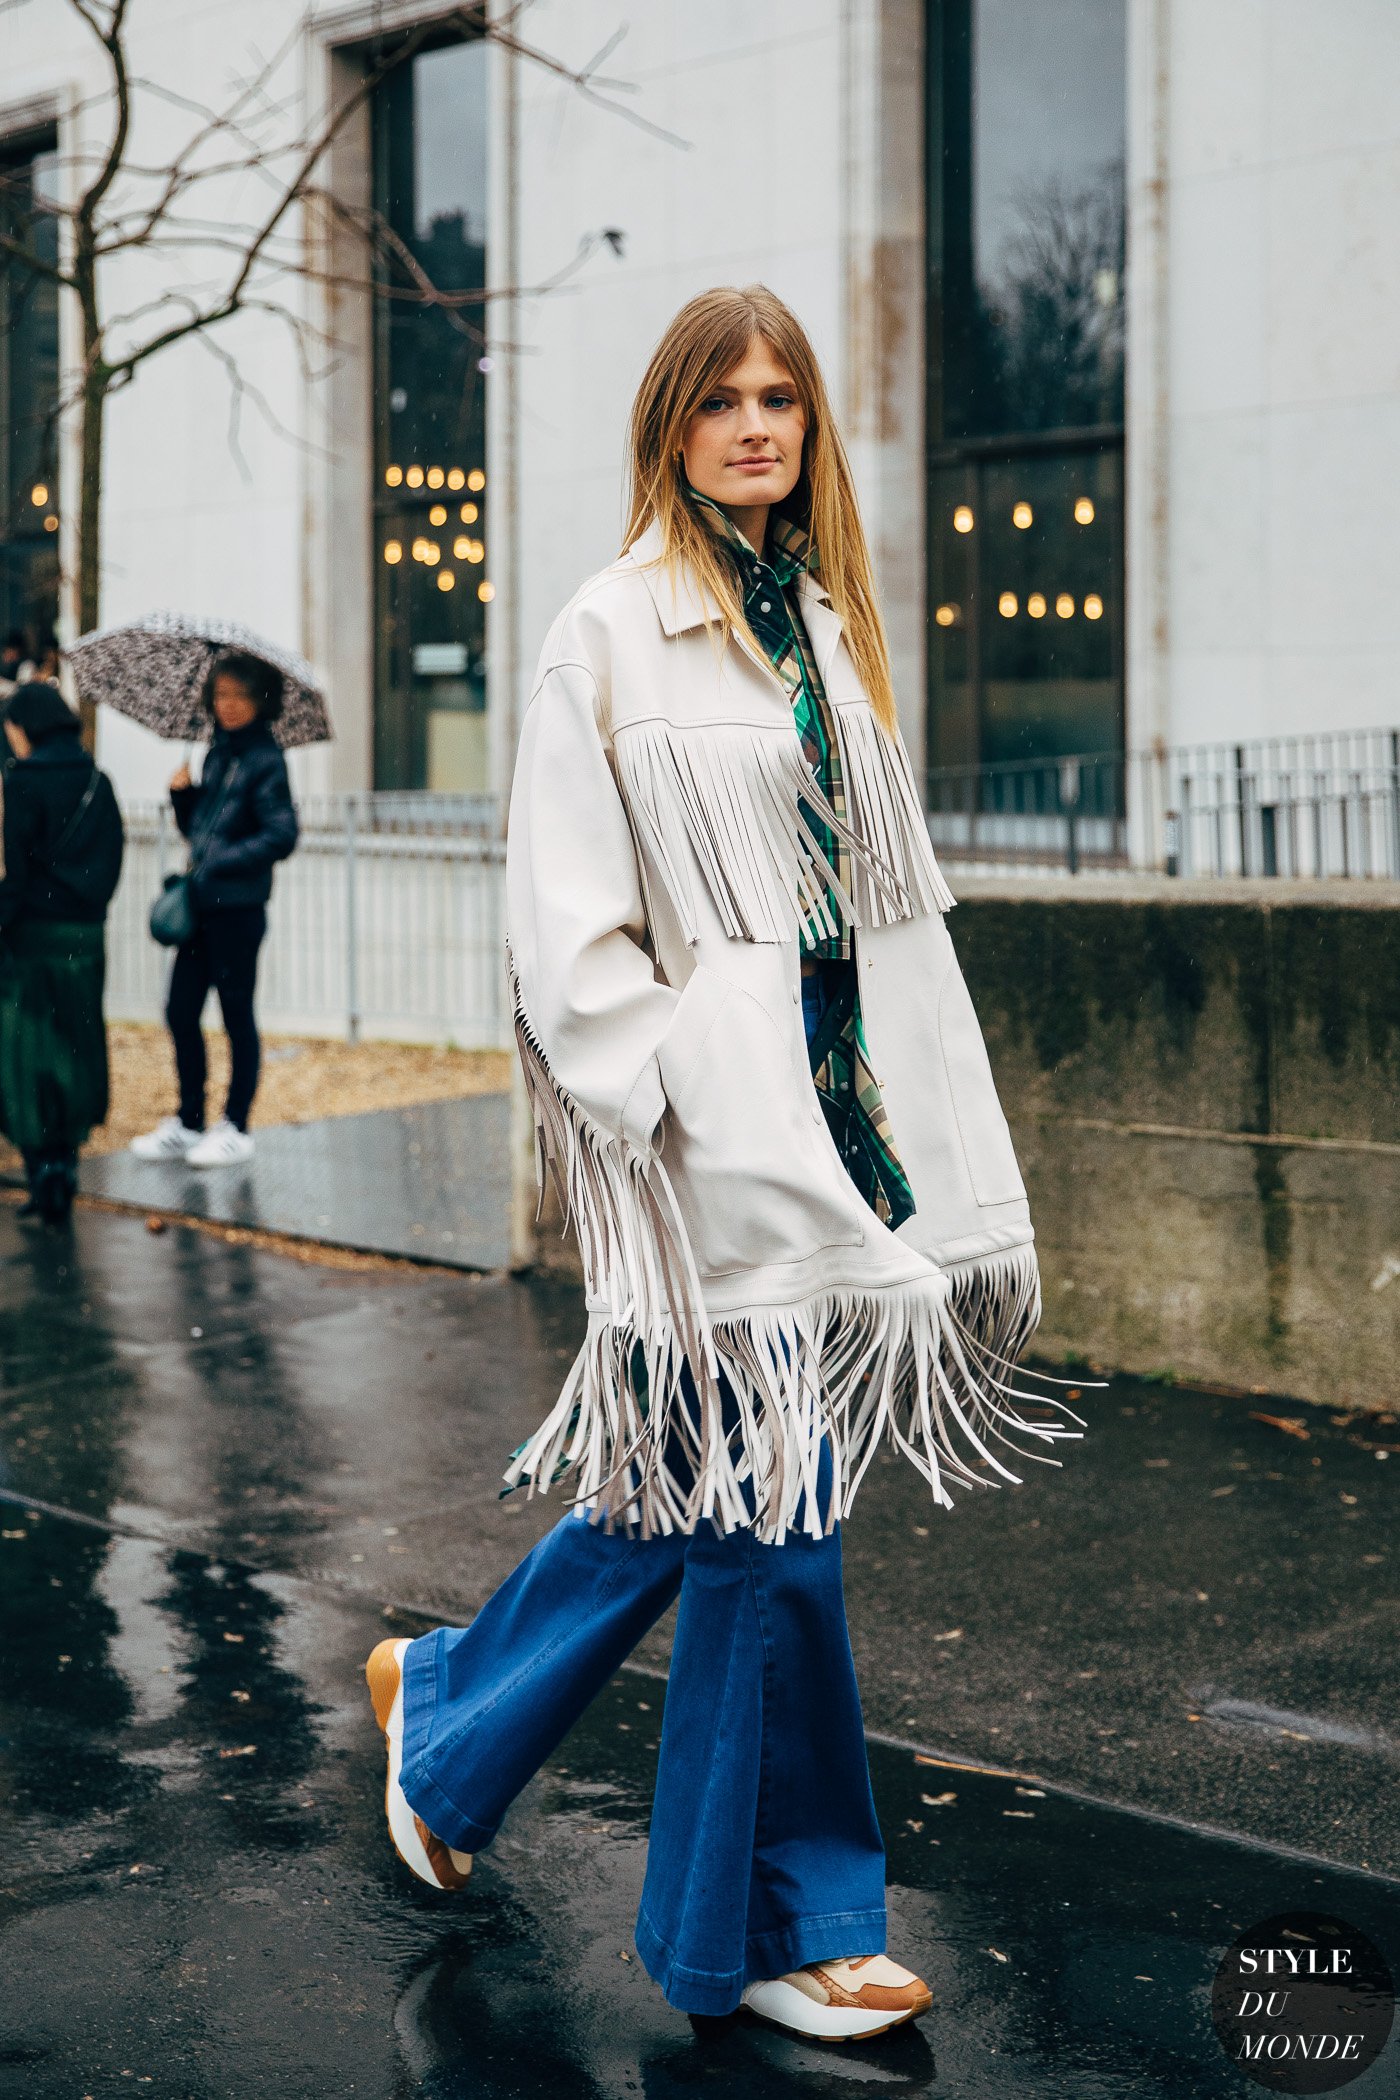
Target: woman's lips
754	466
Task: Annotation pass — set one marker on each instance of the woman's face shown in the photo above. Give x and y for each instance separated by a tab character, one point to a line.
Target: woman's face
234	705
743	445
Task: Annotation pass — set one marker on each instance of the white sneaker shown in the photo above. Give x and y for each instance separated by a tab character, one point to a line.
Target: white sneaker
835	2001
224	1146
169	1140
427	1856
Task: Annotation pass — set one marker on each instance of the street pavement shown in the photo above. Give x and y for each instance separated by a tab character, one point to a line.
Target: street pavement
431	1182
1117	1713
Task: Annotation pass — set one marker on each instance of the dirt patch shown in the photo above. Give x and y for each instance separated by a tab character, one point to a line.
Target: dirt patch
304	1079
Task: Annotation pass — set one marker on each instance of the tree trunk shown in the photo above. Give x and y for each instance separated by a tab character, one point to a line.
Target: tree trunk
89	549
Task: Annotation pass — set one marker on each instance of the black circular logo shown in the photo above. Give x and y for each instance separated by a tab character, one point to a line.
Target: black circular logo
1303	2002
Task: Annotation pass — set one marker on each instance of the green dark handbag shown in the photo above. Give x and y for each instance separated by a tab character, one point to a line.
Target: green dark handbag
173	916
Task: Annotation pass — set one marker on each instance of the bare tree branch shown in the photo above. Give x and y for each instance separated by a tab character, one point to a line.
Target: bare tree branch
242	389
121	205
110	39
39	264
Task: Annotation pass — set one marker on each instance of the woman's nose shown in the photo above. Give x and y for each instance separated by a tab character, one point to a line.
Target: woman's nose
753	423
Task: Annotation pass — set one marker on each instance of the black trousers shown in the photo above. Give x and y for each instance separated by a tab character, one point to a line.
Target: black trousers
221	957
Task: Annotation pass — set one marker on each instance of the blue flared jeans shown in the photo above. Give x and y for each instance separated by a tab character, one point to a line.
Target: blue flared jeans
765	1852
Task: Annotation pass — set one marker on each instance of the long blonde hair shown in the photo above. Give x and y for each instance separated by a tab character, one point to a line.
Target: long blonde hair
708	337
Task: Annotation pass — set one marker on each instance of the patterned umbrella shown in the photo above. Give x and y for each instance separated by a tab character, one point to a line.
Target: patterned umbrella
154	671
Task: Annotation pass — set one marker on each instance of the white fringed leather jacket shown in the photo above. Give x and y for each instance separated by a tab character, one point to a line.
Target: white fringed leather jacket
657	862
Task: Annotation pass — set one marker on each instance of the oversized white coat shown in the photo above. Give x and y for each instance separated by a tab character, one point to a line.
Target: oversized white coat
657	862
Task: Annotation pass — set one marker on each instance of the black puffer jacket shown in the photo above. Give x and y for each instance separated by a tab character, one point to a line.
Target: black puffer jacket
41	796
239	820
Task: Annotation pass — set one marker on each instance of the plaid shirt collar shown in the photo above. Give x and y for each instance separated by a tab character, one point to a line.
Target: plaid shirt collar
790	546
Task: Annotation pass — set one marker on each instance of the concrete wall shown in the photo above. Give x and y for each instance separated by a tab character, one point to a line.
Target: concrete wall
273	528
1263	366
721	198
1204	1086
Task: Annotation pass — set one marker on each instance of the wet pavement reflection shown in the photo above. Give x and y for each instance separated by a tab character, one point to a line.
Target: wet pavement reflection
197	1897
193	1859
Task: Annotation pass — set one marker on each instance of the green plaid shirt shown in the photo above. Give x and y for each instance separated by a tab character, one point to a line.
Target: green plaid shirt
845	1084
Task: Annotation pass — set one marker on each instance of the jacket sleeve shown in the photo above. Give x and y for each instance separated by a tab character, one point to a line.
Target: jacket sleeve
273	833
18	824
185	801
587	989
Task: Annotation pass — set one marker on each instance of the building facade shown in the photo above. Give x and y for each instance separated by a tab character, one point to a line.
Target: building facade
1104	290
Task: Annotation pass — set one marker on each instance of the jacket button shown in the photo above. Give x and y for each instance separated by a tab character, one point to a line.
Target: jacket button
796	996
816	1112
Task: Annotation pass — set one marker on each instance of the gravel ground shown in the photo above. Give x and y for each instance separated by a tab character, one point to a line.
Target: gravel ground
304	1079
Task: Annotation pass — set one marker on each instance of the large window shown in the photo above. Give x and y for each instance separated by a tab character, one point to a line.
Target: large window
29	572
432	503
1026	104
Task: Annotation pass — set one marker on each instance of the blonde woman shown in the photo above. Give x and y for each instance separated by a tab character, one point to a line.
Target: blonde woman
760	1085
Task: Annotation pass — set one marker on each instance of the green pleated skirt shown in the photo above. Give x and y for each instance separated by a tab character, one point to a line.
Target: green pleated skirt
53	1045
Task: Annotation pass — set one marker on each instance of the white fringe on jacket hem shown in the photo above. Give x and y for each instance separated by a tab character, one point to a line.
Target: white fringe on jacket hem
913	1362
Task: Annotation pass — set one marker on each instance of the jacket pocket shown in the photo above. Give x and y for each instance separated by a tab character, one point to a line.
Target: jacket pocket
986	1141
747	1152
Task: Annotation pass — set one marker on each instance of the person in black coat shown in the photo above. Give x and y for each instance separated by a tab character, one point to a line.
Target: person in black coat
62	854
239	821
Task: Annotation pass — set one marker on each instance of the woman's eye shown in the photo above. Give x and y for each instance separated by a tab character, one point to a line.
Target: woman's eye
781	401
714	401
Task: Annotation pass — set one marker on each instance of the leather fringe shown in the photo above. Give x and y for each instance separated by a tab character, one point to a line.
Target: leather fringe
734	793
884	809
928	1365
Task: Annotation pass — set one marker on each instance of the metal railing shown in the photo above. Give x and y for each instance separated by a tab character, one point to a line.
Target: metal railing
1309	806
386	921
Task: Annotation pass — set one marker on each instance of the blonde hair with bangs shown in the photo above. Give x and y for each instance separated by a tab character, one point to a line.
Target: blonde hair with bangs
708	337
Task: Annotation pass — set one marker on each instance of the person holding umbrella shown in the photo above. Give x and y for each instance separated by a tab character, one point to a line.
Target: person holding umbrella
240	821
62	854
171	673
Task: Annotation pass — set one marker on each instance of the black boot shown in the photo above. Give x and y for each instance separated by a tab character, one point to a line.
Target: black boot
32	1163
54	1185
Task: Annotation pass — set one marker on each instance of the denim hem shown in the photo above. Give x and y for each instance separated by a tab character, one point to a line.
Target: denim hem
422	1793
443	1817
838	1935
420	1674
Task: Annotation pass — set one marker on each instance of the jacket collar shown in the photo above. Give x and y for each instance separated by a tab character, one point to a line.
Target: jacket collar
236	741
682	602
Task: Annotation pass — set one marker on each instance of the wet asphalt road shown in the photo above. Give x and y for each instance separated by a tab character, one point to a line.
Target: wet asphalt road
223	1475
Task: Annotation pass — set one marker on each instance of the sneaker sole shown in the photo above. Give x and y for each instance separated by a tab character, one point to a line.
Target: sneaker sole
384	1676
831	2023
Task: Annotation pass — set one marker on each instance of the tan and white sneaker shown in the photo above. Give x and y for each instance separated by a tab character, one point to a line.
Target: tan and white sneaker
842	2001
425	1855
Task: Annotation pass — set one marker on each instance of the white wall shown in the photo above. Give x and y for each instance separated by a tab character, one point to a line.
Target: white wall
1264	361
753	192
782	170
186	520
1264	441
